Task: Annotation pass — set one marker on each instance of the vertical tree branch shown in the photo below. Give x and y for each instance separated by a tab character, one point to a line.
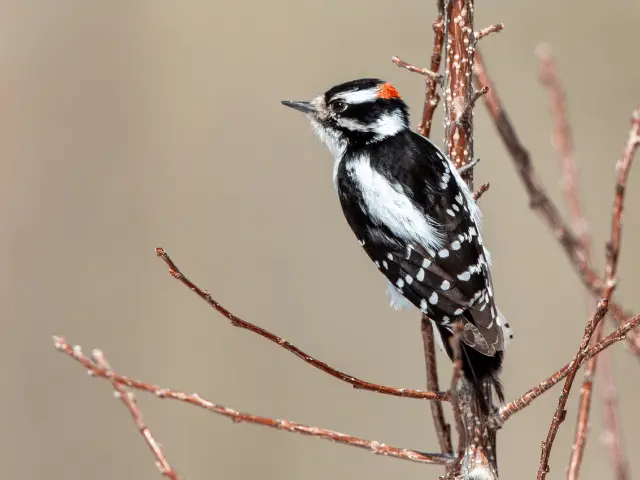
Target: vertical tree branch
456	404
443	429
612	436
584	410
540	201
458	85
431	97
561	411
612	254
563	143
459	47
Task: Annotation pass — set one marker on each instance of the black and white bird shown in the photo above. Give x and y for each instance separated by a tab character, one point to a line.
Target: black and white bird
415	218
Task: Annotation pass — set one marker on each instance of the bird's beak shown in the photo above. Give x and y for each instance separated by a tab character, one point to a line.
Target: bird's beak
304	107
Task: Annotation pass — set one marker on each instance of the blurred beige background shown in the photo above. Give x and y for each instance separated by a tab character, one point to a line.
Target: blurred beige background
132	124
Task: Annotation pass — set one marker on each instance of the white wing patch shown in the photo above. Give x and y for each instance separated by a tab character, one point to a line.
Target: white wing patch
388	205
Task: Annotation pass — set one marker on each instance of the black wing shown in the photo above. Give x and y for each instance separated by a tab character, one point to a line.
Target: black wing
450	281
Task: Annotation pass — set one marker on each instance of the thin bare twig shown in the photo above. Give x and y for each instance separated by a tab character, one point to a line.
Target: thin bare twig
612	253
623	168
412	68
375	447
456	371
238	322
498	27
480	191
466	113
561	412
460	40
612	436
540	201
129	400
472	164
563	143
584	411
432	98
515	406
443	429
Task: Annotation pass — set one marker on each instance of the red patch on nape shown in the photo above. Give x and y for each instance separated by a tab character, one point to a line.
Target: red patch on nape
388	91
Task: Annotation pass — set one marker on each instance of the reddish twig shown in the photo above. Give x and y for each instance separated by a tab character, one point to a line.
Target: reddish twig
584	411
476	451
100	366
511	408
238	322
612	437
375	447
412	68
612	253
563	143
472	164
540	201
560	413
623	168
498	27
432	98
443	429
480	191
456	372
466	115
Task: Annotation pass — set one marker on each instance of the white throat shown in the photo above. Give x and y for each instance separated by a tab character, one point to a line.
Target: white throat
334	142
387	125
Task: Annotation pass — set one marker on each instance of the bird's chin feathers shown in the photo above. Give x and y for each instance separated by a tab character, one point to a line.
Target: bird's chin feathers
332	138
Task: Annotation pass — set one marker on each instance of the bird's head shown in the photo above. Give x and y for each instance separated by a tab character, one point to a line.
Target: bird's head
357	112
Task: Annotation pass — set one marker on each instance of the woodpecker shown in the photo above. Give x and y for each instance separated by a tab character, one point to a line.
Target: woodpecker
416	219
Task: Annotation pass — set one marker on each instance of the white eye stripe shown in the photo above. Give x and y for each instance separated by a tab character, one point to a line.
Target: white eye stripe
358	96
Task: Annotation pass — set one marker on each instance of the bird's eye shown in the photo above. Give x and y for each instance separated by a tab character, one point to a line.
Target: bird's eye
338	106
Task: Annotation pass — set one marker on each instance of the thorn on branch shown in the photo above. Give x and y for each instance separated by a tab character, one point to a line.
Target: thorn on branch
422	71
463	119
480	191
465	168
498	27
